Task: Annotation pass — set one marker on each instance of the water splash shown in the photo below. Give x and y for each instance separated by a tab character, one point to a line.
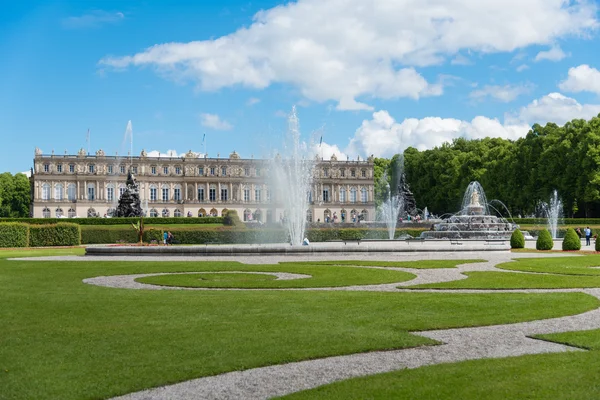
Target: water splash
390	210
292	174
474	192
553	211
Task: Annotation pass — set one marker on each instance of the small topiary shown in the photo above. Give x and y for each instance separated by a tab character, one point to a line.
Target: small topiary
544	241
517	240
596	245
571	241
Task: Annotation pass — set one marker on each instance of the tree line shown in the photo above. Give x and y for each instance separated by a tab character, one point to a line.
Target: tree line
520	173
15	195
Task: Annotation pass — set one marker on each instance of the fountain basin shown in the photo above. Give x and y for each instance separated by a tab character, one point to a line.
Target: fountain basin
320	248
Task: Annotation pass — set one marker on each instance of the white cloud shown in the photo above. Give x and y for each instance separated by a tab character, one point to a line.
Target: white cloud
506	93
582	79
215	122
522	67
460	60
348	50
252	101
384	137
326	150
554	54
93	19
556	108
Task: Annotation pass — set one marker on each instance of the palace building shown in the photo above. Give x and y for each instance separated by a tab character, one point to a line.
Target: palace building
86	185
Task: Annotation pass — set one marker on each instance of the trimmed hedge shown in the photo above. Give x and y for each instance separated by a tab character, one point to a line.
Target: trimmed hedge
62	234
517	240
571	241
117	221
544	241
14	234
99	235
597	244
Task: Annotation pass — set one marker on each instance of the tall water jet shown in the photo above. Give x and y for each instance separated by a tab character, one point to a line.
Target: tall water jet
292	173
391	209
553	211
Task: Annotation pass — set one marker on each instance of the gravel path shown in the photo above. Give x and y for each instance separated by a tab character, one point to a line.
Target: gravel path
458	344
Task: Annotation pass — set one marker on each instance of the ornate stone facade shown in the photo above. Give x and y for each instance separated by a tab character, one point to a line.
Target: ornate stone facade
86	185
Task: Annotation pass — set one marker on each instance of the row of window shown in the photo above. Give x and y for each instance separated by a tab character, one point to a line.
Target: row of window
177	196
363	173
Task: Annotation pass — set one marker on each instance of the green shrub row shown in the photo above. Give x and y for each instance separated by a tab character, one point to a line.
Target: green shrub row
99	235
14	234
118	221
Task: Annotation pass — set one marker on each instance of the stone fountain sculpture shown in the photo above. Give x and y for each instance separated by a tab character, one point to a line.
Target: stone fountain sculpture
129	202
473	221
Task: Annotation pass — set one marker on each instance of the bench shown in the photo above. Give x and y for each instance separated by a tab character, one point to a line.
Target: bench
455	241
351	240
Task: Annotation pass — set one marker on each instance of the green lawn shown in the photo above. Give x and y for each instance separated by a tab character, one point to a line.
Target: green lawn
426	264
582	265
585	339
513	280
321	276
42	252
564	376
63	339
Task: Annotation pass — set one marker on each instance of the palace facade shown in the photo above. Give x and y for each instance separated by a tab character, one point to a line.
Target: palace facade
86	185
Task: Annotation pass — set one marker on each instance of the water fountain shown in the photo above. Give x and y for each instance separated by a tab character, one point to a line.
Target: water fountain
390	210
129	202
473	221
553	212
292	174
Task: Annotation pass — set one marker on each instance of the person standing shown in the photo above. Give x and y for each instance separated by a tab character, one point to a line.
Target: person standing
165	236
588	235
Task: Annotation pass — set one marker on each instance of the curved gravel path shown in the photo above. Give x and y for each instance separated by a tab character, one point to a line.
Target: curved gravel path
458	344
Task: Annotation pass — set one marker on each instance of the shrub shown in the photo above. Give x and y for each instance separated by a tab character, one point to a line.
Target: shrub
13	234
118	220
597	244
517	240
571	240
232	219
544	241
101	235
62	234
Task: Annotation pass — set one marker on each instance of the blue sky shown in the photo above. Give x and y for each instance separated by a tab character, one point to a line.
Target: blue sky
369	77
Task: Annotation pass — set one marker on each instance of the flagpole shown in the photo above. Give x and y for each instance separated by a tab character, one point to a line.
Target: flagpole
88	141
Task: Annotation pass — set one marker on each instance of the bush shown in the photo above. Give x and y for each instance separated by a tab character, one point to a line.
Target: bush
597	244
544	241
517	240
62	234
13	234
571	241
232	219
100	235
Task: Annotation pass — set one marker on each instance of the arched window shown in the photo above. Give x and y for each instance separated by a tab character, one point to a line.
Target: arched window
58	212
46	192
165	213
247	215
246	194
72	192
165	193
343	215
71	213
58	191
153	212
91	212
364	215
212	193
202	212
327	215
257	216
353	215
214	212
363	195
46	213
353	195
110	192
342	194
177	213
309	216
224	212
